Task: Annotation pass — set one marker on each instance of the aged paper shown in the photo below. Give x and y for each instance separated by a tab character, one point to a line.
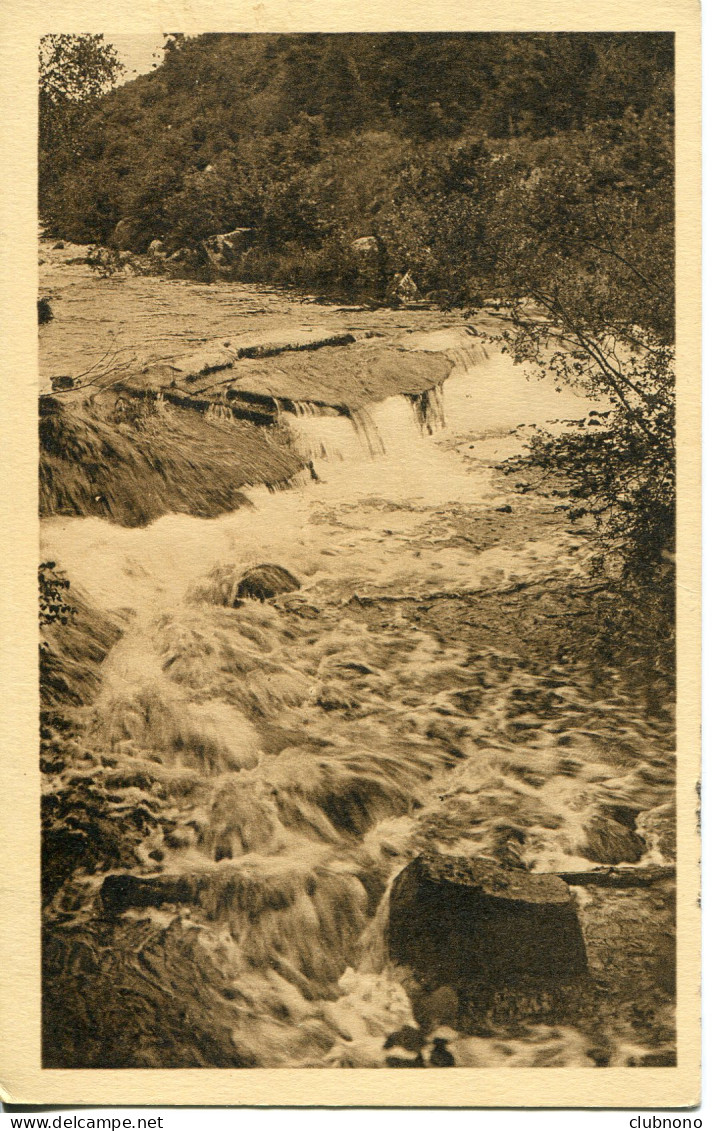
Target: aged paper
302	792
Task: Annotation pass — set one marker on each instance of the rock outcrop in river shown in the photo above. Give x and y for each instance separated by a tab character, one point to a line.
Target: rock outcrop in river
467	921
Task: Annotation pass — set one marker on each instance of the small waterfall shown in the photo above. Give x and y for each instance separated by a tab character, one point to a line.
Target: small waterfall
335	435
429	408
469	356
321	432
367	432
309	408
340	436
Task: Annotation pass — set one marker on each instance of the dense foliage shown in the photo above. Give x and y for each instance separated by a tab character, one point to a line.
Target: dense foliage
75	70
587	245
315	140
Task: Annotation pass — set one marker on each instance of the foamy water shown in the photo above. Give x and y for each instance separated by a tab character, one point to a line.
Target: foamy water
307	753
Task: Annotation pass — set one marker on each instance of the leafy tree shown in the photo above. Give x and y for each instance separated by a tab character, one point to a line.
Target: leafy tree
436	224
75	71
76	68
584	250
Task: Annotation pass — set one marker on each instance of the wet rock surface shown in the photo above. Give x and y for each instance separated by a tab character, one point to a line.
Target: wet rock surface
459	921
265	582
138	995
610	840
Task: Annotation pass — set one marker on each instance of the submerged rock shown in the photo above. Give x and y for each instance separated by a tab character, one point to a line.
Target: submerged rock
119	892
44	311
610	837
460	922
440	1006
266	581
226	586
408	1038
440	1056
405	1047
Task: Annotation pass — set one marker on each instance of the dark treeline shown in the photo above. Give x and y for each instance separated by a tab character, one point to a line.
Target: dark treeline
316	140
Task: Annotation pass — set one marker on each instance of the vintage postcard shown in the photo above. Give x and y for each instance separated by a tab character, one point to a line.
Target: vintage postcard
352	498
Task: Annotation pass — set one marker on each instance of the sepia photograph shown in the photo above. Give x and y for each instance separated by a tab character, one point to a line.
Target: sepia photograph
357	452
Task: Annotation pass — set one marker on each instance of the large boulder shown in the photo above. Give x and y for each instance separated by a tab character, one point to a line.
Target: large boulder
224	248
468	922
188	260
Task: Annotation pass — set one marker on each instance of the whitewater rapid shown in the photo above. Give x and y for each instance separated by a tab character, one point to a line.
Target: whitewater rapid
307	752
380	474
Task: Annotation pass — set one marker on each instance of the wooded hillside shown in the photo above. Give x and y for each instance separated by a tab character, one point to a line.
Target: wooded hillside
314	141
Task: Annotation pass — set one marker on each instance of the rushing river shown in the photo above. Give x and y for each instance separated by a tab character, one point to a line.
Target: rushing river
307	749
